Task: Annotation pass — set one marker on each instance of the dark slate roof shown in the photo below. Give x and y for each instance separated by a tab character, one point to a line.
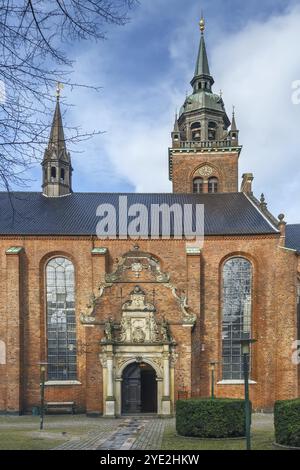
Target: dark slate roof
29	213
293	237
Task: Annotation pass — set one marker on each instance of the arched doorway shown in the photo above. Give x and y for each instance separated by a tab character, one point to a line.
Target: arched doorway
139	389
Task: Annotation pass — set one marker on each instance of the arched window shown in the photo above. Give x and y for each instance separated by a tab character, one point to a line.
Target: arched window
237	313
198	186
196	131
213	185
212	130
62	174
61	320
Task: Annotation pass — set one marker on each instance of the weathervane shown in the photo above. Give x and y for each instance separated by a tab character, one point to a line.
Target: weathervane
202	23
59	87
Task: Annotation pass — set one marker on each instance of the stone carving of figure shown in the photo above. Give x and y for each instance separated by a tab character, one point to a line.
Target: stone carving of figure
91	305
109	330
165	331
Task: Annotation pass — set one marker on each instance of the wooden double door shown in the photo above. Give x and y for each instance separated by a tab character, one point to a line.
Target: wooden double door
139	389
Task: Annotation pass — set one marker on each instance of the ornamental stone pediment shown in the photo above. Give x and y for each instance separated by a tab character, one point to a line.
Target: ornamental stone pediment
138	324
137	265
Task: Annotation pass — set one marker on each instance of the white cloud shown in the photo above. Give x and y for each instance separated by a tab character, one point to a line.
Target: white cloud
255	67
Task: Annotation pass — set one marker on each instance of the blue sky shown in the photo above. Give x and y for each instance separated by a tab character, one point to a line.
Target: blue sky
144	69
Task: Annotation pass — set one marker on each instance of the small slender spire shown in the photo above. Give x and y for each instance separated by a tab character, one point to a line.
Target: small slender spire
176	126
57	136
233	123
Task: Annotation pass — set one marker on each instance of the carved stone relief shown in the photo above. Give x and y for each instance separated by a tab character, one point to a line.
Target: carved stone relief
204	171
137	263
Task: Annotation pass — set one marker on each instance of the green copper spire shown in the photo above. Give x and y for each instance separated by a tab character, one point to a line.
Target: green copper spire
202	67
202	72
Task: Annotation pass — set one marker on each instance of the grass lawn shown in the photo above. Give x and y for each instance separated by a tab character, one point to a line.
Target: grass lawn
22	433
18	439
262	438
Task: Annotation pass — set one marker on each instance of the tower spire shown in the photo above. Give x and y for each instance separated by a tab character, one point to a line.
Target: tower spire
57	136
234	132
57	167
202	72
176	125
233	122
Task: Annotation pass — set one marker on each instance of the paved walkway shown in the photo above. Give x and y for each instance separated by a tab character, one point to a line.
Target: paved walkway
122	434
135	433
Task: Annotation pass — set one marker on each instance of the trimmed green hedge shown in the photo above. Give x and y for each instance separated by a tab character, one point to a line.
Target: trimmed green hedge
207	418
287	422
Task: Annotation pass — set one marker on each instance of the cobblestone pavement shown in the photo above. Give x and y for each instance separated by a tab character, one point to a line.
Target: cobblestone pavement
122	434
94	438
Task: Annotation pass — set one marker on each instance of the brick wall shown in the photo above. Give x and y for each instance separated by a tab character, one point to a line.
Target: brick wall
274	316
224	163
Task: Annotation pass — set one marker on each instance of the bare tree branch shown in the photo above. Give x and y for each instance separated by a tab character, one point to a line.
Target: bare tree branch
33	34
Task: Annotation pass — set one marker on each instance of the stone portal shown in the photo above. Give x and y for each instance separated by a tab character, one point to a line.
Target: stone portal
138	361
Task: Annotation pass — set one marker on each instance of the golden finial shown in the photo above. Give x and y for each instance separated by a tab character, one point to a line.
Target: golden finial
59	87
202	23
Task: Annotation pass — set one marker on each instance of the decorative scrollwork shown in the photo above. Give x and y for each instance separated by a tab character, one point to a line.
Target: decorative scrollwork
188	316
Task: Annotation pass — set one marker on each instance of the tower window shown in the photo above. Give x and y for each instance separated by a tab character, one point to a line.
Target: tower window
213	185
62	174
212	131
196	131
198	186
53	172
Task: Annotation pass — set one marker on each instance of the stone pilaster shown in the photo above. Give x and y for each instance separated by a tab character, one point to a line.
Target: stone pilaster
14	329
110	401
94	376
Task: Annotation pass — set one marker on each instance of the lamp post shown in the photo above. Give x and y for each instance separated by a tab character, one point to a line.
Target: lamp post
42	392
245	344
212	366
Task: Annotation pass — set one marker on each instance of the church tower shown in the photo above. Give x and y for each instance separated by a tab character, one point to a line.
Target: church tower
205	151
57	167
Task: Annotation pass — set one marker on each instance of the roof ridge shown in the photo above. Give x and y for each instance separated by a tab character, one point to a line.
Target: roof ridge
261	213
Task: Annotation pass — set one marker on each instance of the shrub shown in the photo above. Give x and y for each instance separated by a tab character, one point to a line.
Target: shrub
287	422
206	418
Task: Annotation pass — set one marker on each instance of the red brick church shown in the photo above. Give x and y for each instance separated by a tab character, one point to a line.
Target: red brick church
129	326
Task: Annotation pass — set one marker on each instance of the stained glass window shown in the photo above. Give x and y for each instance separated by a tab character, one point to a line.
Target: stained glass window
237	313
61	320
